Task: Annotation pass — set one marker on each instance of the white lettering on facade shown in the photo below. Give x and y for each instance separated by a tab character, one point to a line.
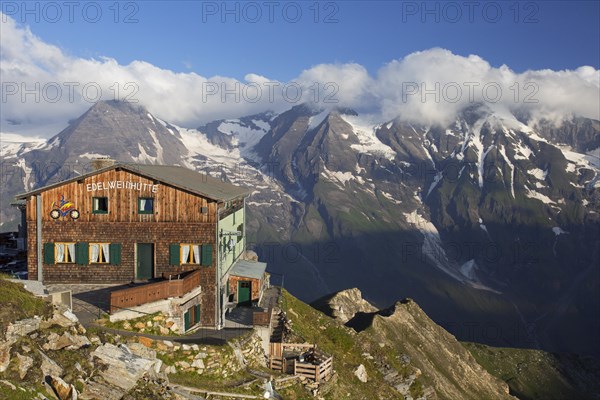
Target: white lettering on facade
90	187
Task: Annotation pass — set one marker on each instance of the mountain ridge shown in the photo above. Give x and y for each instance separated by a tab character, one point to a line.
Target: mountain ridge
437	212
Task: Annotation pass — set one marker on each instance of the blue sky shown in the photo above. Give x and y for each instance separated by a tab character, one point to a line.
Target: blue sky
368	56
190	36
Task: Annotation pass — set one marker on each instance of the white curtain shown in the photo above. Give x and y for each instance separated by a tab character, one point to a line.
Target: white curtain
142	204
185	253
105	252
95	252
60	252
71	257
196	254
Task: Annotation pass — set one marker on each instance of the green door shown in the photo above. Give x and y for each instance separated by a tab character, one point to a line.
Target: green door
145	261
244	292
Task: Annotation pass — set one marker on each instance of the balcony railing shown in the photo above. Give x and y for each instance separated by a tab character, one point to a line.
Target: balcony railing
148	293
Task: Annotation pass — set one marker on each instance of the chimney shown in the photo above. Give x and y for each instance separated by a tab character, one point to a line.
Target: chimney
104	162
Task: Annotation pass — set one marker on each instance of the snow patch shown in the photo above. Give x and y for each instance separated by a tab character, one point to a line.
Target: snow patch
502	152
438	177
26	173
468	269
558	231
390	197
342	177
369	143
532	194
94	155
316	120
538	173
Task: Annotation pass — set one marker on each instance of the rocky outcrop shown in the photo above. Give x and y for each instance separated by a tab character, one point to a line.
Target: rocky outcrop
344	305
121	372
66	340
452	371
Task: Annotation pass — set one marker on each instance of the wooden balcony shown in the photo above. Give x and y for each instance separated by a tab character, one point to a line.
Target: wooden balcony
148	293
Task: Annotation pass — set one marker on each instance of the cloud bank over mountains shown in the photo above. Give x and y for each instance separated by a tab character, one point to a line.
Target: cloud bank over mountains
43	87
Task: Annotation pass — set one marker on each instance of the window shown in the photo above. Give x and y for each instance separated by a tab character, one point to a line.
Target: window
190	254
64	253
99	205
145	205
186	253
99	253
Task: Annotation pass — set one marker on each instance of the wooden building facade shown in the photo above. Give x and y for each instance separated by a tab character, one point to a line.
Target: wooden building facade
131	222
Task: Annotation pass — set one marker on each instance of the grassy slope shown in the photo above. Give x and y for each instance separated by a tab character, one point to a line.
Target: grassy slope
535	374
339	341
17	303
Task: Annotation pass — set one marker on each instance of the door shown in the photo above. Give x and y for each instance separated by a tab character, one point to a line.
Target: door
145	261
244	292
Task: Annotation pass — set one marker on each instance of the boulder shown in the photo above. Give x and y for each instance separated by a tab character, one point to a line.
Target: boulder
67	340
139	325
49	367
24	364
5	354
65	319
141	350
22	327
63	390
198	363
145	341
124	367
361	373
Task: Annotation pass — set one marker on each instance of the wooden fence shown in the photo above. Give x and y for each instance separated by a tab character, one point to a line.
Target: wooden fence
261	318
143	294
318	365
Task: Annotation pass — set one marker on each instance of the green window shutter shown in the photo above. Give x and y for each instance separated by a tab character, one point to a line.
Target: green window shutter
206	255
197	313
82	253
48	253
174	256
186	320
114	251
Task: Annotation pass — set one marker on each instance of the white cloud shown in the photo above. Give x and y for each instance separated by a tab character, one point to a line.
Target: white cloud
189	99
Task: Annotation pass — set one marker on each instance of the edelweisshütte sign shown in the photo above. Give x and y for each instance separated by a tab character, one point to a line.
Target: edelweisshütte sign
108	185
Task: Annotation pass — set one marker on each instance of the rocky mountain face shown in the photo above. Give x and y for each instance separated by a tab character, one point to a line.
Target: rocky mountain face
481	217
491	223
430	357
344	305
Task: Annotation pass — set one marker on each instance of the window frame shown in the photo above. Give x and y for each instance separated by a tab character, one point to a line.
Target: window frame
191	253
143	212
100	252
95	211
65	244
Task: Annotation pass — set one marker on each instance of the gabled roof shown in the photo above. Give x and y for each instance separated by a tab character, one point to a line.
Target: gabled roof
180	177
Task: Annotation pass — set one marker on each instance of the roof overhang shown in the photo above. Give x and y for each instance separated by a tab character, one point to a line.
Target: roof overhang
139	170
248	269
